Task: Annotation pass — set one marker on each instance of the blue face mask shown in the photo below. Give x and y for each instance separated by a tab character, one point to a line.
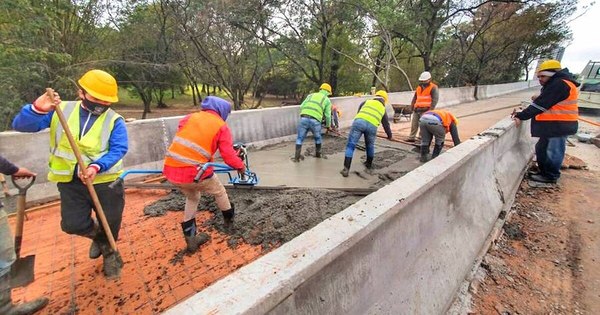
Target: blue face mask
93	107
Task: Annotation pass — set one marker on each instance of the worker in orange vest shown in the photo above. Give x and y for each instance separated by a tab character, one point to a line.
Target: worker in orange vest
198	137
555	115
436	123
425	98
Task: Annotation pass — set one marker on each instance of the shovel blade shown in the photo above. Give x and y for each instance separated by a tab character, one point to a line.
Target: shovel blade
21	272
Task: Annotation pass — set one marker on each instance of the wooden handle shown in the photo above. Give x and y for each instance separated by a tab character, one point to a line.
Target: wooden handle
82	167
20	222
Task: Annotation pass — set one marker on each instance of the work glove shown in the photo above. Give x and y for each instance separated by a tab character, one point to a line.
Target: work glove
45	103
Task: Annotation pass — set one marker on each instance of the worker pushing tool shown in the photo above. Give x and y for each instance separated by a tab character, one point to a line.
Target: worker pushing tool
198	138
436	123
370	114
102	139
313	110
554	113
425	98
7	253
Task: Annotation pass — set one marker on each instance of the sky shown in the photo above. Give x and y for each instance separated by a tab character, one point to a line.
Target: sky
585	45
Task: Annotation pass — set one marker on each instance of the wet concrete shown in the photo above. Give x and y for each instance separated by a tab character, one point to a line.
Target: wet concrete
272	217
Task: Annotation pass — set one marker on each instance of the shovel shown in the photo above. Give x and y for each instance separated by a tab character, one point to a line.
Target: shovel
21	271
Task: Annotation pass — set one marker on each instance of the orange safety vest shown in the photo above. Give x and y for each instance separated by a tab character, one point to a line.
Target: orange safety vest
192	144
565	110
446	117
424	96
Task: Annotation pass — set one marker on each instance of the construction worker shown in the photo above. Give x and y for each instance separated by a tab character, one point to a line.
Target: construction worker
436	123
555	115
101	135
370	114
7	253
198	137
425	98
336	114
314	108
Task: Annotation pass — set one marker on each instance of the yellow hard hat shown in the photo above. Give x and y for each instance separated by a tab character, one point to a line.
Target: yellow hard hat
550	65
383	94
100	84
326	87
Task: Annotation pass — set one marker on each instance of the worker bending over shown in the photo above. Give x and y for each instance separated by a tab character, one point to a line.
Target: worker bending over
436	123
370	114
101	136
315	108
198	138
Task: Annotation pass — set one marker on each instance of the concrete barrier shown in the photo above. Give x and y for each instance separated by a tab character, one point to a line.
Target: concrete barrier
149	139
489	91
404	249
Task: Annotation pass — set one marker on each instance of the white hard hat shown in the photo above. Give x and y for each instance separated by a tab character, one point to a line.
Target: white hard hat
425	76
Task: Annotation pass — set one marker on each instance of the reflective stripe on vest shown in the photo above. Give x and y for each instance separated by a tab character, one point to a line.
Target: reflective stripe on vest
424	96
313	105
192	144
565	110
93	145
445	116
372	111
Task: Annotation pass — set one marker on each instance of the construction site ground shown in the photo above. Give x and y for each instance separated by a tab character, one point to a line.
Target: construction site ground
158	274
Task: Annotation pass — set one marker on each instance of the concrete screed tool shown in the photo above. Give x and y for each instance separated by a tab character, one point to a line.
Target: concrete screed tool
248	178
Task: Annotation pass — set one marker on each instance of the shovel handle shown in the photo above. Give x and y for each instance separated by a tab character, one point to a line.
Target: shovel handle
88	183
22	188
19	223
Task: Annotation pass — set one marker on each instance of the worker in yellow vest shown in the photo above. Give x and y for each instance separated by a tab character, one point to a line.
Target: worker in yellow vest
198	138
371	113
425	98
101	135
313	110
436	123
554	115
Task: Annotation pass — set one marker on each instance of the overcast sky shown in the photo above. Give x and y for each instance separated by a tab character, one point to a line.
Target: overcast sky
586	38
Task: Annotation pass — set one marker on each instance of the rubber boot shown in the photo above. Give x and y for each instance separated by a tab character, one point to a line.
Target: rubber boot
437	149
318	150
424	153
193	240
297	153
228	219
95	251
369	162
6	306
113	263
347	163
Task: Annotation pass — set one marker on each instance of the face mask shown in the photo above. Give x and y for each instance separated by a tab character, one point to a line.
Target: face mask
93	107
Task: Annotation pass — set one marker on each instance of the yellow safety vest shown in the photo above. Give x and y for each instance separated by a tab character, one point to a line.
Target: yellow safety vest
372	111
313	106
93	145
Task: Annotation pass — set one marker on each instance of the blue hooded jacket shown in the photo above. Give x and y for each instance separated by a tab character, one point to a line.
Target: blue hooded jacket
217	104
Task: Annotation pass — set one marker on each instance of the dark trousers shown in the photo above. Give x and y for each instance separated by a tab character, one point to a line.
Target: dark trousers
76	207
550	153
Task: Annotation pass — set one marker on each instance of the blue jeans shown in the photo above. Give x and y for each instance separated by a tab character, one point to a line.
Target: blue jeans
550	153
307	124
360	127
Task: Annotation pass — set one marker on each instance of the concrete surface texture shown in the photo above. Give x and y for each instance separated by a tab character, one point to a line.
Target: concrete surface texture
403	249
148	139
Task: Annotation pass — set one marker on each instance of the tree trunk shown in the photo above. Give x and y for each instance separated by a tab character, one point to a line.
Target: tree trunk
193	94
159	99
172	92
335	67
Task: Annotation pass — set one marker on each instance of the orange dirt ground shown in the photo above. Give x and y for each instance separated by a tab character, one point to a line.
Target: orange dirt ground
152	279
546	262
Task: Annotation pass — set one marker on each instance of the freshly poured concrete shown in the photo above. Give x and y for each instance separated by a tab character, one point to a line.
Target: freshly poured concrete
275	167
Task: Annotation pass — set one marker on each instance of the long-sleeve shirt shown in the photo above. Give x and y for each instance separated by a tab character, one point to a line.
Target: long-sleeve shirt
553	92
454	133
30	120
384	121
7	167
